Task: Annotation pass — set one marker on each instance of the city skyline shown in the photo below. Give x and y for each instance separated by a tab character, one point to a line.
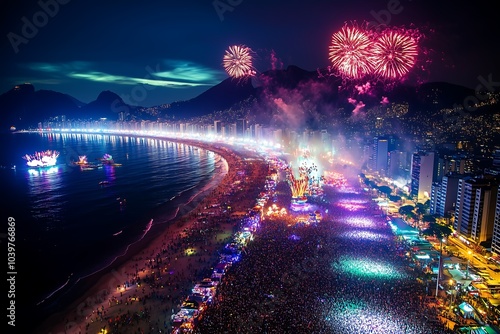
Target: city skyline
159	53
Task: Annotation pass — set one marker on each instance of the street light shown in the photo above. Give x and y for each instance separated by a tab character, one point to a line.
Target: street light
439	264
453	292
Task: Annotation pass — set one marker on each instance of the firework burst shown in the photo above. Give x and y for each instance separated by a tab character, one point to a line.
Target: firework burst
350	52
358	53
394	54
237	61
42	159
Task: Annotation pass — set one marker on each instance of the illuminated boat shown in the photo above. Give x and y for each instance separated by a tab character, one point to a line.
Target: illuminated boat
46	158
82	160
85	164
107	159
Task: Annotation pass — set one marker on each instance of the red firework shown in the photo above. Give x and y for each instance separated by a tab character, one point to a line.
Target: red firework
237	61
350	52
394	54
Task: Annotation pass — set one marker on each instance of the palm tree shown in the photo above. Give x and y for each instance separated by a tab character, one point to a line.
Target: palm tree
428	219
437	230
406	209
385	190
420	209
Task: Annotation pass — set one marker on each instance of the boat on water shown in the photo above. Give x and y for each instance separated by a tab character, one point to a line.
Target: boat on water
85	164
46	158
102	183
82	160
107	159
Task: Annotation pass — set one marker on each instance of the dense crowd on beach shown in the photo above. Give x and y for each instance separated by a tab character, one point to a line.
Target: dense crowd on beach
344	274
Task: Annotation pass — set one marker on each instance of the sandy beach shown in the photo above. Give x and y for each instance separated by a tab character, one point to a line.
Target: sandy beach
142	289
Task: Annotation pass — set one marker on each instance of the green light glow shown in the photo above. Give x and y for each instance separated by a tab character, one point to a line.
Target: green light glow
123	80
181	74
187	71
367	268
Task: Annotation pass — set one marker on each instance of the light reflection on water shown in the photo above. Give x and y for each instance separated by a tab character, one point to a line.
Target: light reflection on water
44	190
66	208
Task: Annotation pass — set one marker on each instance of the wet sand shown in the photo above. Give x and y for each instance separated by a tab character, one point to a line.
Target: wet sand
142	289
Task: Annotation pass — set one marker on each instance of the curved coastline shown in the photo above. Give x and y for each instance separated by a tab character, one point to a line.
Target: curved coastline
68	317
166	213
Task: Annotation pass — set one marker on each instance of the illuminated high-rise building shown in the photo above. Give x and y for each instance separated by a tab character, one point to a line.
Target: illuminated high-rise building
475	208
444	194
380	153
241	127
398	166
422	175
218	128
495	241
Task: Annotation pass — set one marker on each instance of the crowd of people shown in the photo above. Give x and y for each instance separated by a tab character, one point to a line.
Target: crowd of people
345	274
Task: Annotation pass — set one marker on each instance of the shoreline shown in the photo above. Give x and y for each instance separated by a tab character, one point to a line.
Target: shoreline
162	217
76	317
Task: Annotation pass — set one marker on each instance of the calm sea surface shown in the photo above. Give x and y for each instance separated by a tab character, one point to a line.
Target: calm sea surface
68	226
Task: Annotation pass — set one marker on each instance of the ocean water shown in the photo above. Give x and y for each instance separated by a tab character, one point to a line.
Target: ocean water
68	226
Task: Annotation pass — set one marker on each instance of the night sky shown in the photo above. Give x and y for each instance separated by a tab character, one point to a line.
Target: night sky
175	47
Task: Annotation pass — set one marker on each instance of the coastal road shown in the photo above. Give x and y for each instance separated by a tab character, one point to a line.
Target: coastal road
476	260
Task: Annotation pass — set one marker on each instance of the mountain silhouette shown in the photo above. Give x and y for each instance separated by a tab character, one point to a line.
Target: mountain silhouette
107	105
276	97
219	97
23	106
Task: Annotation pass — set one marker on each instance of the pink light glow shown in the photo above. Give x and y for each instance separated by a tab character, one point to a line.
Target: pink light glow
350	52
395	54
360	222
352	207
360	53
